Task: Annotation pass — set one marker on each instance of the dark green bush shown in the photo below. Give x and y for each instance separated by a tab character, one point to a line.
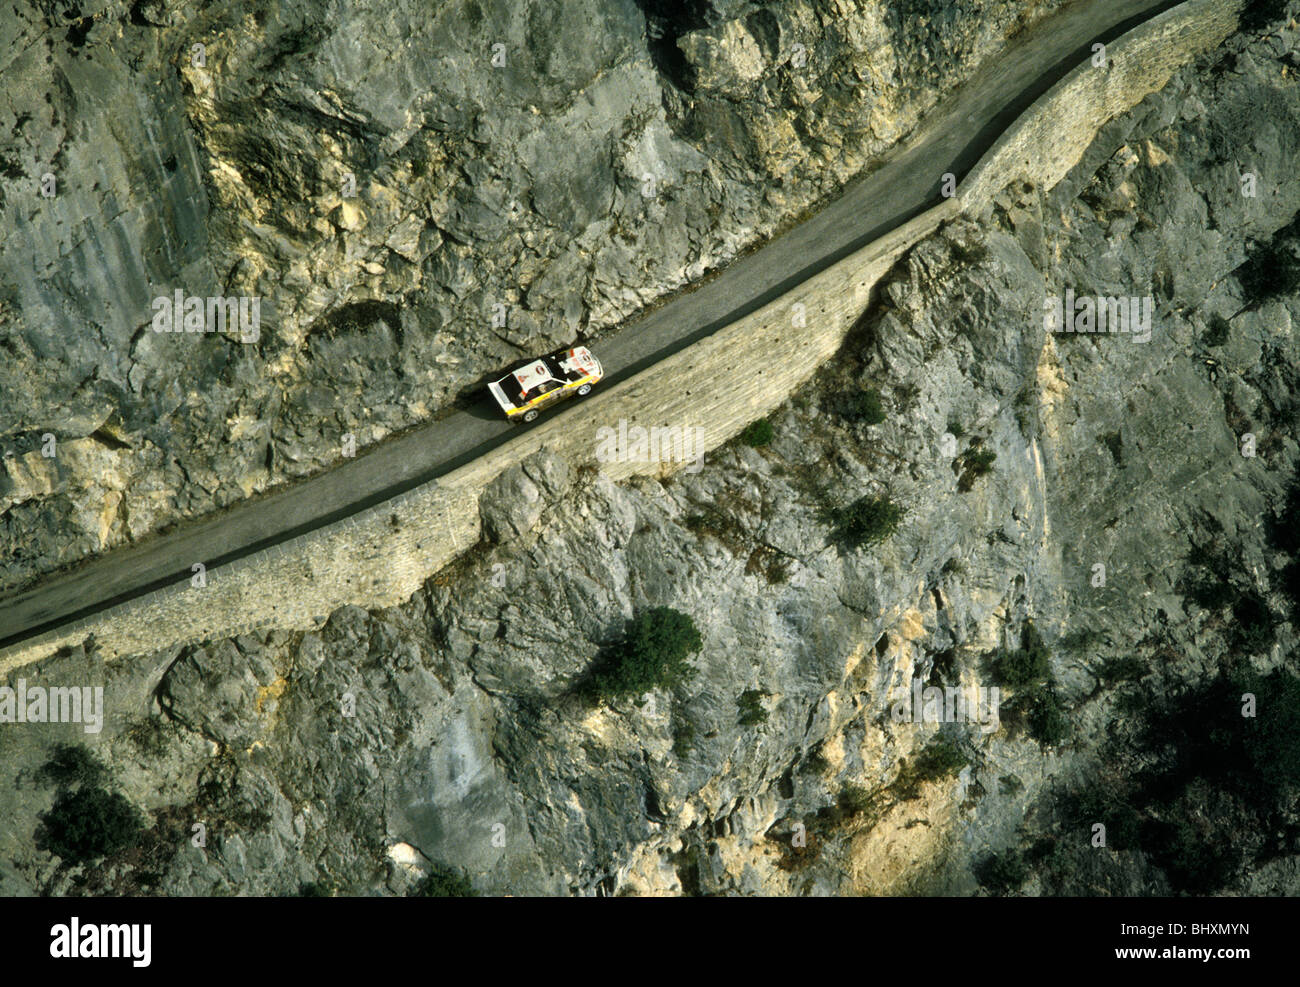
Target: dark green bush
854	800
1284	531
1254	623
1217	330
651	655
1269	742
1126	669
870	410
757	433
867	520
1047	720
90	823
1002	872
1216	580
939	759
1196	861
975	462
1270	269
444	882
1030	664
1114	444
749	706
1107	805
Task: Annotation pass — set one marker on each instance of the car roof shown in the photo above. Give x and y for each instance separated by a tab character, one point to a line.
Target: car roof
531	375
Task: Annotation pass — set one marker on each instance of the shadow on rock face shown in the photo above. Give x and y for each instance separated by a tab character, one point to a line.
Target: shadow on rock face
666	21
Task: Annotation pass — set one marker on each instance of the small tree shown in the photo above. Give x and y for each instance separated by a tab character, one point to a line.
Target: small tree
867	520
444	882
757	433
653	654
90	823
1217	330
1270	270
1003	872
1048	723
871	411
749	707
975	462
1027	665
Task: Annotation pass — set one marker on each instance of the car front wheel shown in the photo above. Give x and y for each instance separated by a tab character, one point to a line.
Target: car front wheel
530	415
584	390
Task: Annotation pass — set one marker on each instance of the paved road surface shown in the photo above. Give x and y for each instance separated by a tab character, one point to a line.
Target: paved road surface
951	140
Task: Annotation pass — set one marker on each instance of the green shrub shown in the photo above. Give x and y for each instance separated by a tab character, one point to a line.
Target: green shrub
1267	744
939	759
1103	803
1010	785
651	655
90	823
870	410
1126	669
1047	720
1217	330
1024	405
749	706
444	882
1216	580
726	529
972	464
854	800
1270	270
955	429
1254	623
1197	862
313	889
757	433
867	520
1030	664
1003	872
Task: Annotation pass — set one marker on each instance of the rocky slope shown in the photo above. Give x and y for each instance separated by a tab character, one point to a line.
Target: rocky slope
454	731
383	177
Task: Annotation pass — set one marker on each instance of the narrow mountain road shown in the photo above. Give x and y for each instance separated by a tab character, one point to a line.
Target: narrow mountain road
951	139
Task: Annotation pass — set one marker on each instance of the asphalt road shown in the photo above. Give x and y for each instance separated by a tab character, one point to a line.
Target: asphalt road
951	139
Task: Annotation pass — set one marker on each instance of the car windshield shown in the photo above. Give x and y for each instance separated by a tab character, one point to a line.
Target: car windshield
511	389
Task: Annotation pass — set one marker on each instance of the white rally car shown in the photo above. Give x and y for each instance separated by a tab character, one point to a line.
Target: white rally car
548	380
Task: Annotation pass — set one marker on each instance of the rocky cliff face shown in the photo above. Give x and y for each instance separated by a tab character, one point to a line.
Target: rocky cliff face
415	195
454	731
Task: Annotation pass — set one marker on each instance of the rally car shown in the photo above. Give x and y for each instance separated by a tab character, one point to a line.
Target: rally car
548	380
